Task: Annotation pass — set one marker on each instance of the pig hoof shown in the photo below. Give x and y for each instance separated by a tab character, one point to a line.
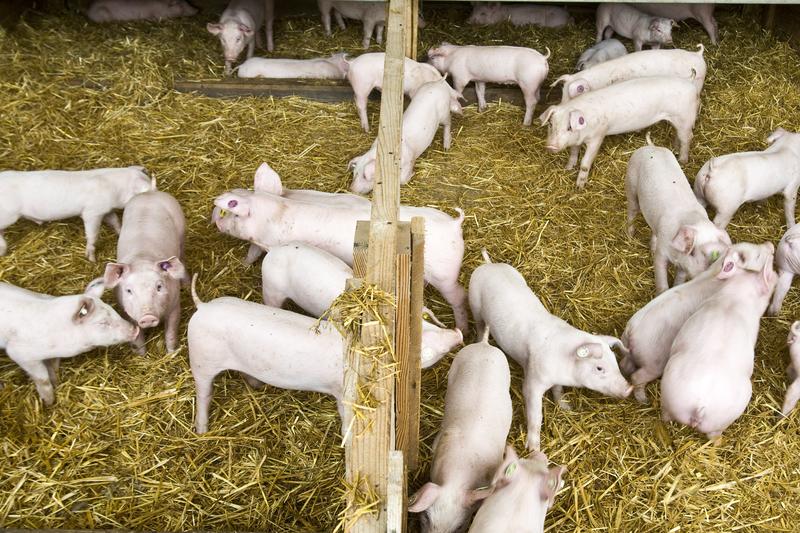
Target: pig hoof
533	444
565	405
90	256
139	350
641	396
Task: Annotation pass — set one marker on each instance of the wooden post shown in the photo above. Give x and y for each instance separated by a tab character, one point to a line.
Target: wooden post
396	493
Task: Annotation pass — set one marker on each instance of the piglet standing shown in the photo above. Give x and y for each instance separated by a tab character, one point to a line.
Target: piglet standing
788	262
47	195
525	15
629	22
706	383
497	64
312	278
682	233
649	333
620	108
793	370
470	443
553	354
431	106
37	330
332	68
728	181
703	13
126	10
239	26
522	492
600	53
149	270
372	14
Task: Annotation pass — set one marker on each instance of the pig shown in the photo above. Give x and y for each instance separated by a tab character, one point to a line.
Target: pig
312	278
620	108
270	216
37	330
728	181
469	446
552	353
431	106
149	267
47	195
682	234
525	15
629	22
125	10
600	53
649	333
372	14
646	63
498	64
788	262
522	491
793	370
703	13
239	26
365	73
332	68
706	383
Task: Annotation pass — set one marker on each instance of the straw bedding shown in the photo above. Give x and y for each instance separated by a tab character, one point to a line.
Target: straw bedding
118	449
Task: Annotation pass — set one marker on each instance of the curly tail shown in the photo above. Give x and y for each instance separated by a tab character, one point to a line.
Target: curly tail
460	212
648	139
547	55
563	78
485	254
197	300
485	338
701	48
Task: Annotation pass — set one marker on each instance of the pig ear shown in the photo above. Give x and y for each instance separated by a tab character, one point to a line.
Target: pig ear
95	288
576	120
614	342
507	469
85	309
173	267
424	497
551	484
114	273
775	135
578	87
267	180
684	239
544	118
471	497
767	276
590	349
244	28
214	28
236	204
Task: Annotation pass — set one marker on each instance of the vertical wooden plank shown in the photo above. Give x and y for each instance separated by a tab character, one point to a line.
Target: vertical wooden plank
360	247
415	338
406	438
396	493
414	29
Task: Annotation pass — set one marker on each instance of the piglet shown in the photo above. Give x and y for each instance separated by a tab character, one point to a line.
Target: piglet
36	330
682	233
365	73
600	53
522	492
125	10
788	262
793	370
629	22
706	383
470	443
703	13
525	15
553	354
239	26
649	333
497	64
372	14
333	68
47	195
728	181
431	106
149	270
620	108
312	278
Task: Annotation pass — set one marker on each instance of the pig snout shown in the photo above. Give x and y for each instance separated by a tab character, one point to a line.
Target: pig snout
148	321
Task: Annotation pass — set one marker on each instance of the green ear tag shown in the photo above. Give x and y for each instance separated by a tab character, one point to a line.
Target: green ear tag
222	213
510	469
714	255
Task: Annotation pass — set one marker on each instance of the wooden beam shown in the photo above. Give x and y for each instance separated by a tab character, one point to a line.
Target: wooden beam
396	494
413	372
406	439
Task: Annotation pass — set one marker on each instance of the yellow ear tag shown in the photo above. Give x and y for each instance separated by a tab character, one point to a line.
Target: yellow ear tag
222	213
510	469
714	255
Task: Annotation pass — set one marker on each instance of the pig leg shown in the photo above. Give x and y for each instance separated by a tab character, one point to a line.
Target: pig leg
531	99
273	298
640	378
253	253
326	22
203	391
379	33
680	276
171	335
3	244
139	341
369	26
228	68
710	25
683	136
592	147
558	391
361	106
52	370
251	47
781	288
633	207
480	94
637	45
660	267
723	218
789	203
269	18
113	221
533	393
251	381
456	296
37	370
339	20
91	225
791	398
574	151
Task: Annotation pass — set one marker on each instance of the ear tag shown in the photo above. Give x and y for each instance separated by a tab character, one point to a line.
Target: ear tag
551	483
510	469
83	311
222	213
582	352
715	255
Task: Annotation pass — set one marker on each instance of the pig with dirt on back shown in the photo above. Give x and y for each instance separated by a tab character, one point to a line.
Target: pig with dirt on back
629	22
37	330
682	234
125	10
703	13
706	383
239	26
333	68
471	440
497	64
553	354
93	195
525	15
149	268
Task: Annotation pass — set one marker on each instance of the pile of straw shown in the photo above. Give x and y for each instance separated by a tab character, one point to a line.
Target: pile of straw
118	449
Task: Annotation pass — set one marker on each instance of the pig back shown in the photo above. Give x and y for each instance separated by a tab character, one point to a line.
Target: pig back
153	227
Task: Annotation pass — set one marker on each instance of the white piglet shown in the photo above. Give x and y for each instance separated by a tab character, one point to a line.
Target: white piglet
125	10
238	28
47	195
620	108
793	370
371	14
600	53
36	330
332	68
627	21
703	13
553	354
497	64
469	446
525	15
728	181
312	278
682	234
787	259
149	270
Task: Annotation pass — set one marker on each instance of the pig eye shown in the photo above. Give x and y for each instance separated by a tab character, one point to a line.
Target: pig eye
129	291
599	369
